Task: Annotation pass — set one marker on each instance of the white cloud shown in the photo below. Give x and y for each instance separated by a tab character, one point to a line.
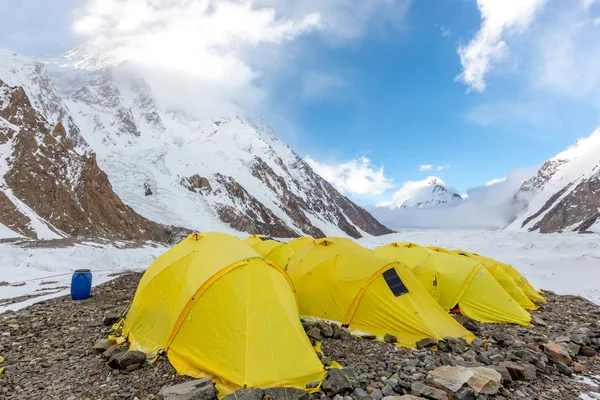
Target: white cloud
495	181
440	167
220	49
483	207
500	18
357	176
446	32
431	167
426	167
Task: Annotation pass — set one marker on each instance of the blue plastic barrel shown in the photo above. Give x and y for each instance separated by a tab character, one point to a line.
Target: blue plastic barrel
81	284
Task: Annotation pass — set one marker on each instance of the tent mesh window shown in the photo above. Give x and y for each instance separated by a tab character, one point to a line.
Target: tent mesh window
394	282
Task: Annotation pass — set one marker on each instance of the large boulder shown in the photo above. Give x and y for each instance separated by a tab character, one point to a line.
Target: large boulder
199	389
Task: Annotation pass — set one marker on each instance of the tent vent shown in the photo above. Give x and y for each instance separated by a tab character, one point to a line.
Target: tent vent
394	282
266	238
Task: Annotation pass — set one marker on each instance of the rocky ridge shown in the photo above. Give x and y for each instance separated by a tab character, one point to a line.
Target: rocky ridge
565	192
58	349
46	179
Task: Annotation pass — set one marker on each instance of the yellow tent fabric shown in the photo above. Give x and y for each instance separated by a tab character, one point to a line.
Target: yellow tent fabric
300	242
272	250
219	309
253	239
503	278
339	280
410	254
520	280
439	249
453	281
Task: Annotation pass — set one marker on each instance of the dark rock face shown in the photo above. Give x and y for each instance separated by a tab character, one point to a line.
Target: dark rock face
65	188
580	208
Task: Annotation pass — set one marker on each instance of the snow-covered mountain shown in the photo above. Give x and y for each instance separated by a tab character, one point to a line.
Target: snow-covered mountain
565	192
228	174
430	192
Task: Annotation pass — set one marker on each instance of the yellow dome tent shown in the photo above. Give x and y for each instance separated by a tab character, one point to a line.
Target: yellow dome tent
520	280
300	242
454	281
275	251
341	281
218	309
503	278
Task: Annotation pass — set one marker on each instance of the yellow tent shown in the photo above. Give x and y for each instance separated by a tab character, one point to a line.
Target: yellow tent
439	249
503	278
272	250
410	254
253	239
218	309
520	280
300	242
339	280
454	281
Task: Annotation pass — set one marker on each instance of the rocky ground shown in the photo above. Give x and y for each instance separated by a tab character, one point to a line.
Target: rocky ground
49	353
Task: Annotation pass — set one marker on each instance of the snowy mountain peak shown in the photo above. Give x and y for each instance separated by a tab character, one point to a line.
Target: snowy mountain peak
430	192
564	192
229	173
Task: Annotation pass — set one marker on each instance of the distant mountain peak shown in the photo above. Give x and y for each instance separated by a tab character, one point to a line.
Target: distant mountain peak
429	192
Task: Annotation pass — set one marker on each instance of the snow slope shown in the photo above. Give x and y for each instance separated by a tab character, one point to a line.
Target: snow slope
152	152
565	193
429	192
29	269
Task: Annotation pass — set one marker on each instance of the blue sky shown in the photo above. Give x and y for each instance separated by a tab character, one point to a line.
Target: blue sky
380	80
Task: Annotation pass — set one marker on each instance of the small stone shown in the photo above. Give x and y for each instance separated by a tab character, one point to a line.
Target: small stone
369	337
466	393
326	329
557	353
110	318
312	385
360	393
426	343
112	350
503	371
285	393
485	380
535	320
516	371
132	367
123	359
587	351
564	369
580	339
377	394
457	345
338	381
314	333
390	339
503	339
477	342
530	372
497	358
446	359
579	368
403	397
101	345
387	391
420	389
198	389
452	378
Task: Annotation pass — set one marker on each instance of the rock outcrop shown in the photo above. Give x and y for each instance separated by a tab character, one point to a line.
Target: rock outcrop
64	189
